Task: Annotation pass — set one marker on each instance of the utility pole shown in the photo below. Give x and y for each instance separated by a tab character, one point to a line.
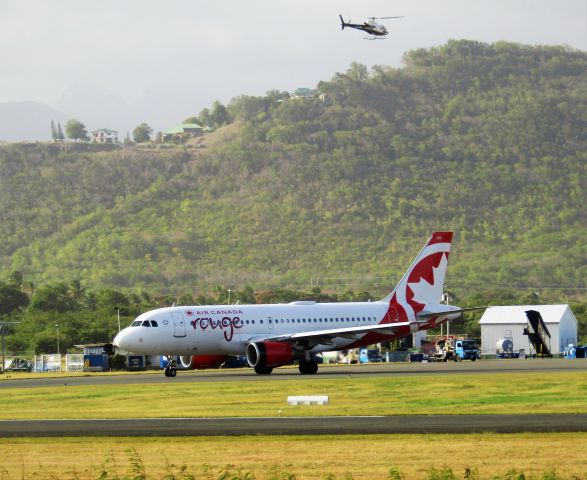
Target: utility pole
57	327
3	344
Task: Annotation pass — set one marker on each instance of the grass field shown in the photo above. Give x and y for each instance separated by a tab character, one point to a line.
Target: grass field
530	392
487	456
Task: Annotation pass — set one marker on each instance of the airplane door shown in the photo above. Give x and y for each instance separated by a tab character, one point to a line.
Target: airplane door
178	324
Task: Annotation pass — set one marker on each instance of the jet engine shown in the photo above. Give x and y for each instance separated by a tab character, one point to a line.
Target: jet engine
269	354
201	362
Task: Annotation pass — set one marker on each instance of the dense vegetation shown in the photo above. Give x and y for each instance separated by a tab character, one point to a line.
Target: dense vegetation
487	140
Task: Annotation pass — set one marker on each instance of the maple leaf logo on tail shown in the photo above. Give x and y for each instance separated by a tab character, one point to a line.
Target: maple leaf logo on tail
422	283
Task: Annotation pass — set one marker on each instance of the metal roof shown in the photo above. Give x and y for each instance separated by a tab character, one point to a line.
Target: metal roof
517	313
106	130
182	127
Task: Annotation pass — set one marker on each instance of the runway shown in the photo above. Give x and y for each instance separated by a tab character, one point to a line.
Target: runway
173	427
291	373
426	424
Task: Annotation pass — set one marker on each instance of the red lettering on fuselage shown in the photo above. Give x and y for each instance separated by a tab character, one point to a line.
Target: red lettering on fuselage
226	324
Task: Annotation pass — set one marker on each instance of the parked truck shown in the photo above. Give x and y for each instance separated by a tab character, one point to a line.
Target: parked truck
467	350
450	349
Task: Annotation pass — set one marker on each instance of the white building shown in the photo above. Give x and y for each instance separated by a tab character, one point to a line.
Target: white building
105	135
509	322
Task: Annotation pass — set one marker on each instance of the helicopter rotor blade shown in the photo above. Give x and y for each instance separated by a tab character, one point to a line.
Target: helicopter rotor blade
385	18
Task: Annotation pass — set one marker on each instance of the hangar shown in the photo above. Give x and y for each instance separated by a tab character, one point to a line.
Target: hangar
509	322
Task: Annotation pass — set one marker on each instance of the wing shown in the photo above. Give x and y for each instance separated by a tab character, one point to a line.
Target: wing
325	337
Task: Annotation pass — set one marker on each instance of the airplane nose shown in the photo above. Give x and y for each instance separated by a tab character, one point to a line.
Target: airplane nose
121	339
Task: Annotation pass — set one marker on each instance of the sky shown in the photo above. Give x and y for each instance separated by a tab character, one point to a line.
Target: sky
169	59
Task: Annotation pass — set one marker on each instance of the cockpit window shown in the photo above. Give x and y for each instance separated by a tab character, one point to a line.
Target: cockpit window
136	323
146	323
154	323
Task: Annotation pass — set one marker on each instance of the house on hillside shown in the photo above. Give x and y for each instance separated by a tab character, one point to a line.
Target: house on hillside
509	322
302	93
104	135
181	131
306	94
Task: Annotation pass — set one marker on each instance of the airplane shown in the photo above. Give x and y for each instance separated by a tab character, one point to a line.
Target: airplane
275	335
369	26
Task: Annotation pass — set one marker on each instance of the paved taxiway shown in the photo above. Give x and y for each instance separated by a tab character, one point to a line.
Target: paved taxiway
301	425
162	427
324	372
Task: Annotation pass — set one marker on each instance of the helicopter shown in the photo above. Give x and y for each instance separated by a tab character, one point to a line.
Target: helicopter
369	26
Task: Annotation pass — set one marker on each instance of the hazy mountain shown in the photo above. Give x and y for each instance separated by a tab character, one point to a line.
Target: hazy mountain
97	107
28	121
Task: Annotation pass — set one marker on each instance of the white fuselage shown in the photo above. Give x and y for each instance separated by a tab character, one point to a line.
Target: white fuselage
227	329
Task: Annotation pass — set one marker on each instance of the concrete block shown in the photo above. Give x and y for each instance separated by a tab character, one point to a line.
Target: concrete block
307	400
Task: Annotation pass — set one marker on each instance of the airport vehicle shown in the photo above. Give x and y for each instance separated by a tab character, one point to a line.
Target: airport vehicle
467	350
369	26
280	334
18	365
444	352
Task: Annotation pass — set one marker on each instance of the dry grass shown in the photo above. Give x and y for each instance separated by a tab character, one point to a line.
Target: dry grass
308	457
531	392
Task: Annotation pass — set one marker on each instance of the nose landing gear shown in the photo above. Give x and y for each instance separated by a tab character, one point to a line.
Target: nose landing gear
170	368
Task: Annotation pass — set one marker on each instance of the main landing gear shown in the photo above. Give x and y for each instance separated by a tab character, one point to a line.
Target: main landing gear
263	370
170	368
308	367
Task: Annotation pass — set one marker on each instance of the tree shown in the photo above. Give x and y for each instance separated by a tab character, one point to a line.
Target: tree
60	135
204	117
11	298
53	131
218	115
192	120
76	130
358	72
142	133
52	298
127	140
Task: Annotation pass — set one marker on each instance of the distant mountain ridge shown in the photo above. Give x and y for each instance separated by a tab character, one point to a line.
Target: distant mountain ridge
485	140
96	107
22	121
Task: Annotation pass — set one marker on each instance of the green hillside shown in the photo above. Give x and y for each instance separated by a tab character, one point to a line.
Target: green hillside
340	190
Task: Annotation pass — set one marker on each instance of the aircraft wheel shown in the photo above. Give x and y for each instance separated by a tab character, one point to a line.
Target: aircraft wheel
308	368
263	370
170	372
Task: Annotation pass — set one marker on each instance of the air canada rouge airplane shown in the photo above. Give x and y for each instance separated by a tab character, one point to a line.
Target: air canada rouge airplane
280	334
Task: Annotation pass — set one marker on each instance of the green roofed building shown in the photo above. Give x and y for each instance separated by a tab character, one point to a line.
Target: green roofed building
182	130
302	93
